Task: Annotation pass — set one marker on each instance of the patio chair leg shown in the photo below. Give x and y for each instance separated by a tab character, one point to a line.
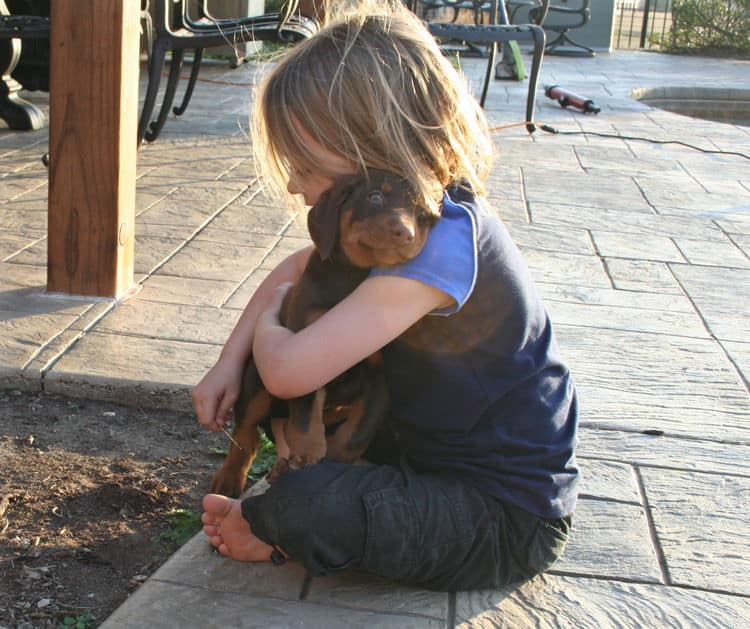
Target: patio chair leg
488	73
157	64
197	57
154	128
540	38
563	39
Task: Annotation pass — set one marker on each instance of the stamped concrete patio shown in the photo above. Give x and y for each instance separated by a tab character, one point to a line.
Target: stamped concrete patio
642	252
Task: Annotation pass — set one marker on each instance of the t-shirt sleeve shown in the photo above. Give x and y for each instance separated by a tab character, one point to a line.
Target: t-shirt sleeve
448	260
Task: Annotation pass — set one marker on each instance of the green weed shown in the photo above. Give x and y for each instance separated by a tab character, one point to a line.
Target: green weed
184	523
264	460
78	622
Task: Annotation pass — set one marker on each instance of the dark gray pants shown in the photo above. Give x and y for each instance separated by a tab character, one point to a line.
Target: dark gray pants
414	528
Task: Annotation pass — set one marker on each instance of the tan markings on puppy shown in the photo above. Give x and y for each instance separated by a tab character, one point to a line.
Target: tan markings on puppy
308	445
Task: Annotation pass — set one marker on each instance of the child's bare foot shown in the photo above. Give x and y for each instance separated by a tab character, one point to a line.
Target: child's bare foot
229	532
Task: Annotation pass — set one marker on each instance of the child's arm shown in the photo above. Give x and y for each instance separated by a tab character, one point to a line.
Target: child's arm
219	389
380	309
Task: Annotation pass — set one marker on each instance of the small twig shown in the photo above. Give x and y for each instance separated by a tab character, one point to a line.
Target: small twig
231	438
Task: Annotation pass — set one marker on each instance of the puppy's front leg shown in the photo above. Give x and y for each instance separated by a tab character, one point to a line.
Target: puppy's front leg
230	478
253	406
305	432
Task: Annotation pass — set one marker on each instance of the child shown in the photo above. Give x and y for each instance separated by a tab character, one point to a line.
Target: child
483	411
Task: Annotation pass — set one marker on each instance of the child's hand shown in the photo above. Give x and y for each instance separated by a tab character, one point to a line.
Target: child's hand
216	393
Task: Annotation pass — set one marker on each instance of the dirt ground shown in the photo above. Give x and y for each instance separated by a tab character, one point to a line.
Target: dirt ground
88	493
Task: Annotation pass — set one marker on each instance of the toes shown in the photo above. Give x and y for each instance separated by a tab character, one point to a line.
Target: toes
210	530
217	506
223	549
217	542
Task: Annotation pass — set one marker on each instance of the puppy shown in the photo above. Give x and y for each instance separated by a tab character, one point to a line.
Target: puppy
367	220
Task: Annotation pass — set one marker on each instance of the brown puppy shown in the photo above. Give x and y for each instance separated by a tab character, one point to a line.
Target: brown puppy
361	222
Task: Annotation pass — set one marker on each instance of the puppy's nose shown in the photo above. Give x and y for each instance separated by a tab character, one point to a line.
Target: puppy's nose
402	232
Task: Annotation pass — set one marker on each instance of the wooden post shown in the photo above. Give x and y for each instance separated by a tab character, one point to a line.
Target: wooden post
94	50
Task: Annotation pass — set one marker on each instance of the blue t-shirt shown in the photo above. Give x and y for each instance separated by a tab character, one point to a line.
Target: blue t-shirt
479	391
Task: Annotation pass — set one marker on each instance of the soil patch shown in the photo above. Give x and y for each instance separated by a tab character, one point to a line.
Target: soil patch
90	493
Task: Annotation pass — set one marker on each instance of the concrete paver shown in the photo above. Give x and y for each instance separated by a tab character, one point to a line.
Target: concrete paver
133	370
641	251
185	606
699	520
719	295
582	603
611	539
628	386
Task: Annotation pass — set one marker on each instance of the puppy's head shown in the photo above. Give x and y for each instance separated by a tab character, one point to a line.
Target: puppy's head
371	219
323	218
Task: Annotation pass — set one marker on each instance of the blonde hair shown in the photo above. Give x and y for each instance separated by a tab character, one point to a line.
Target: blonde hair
373	87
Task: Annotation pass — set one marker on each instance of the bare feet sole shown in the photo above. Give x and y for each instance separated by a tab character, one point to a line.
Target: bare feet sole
229	532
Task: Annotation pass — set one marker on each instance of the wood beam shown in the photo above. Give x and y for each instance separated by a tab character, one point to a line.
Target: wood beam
94	54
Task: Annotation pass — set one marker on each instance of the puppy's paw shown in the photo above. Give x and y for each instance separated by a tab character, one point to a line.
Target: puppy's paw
297	462
228	483
282	466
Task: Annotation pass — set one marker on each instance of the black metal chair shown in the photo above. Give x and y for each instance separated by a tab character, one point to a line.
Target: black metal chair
562	18
499	31
515	7
173	32
205	23
18	113
479	9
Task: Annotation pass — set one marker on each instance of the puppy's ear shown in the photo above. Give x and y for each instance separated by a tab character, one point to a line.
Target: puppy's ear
324	217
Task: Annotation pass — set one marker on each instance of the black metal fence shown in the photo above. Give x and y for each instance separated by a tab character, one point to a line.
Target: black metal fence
642	23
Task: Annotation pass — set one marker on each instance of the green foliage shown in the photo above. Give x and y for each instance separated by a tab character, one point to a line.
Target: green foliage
77	622
264	460
710	26
184	523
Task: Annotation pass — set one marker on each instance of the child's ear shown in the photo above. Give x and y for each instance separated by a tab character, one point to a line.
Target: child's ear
324	217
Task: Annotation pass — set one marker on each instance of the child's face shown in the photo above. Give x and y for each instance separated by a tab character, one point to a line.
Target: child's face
313	184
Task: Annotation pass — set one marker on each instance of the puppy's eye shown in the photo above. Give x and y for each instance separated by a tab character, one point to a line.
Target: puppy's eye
376	196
